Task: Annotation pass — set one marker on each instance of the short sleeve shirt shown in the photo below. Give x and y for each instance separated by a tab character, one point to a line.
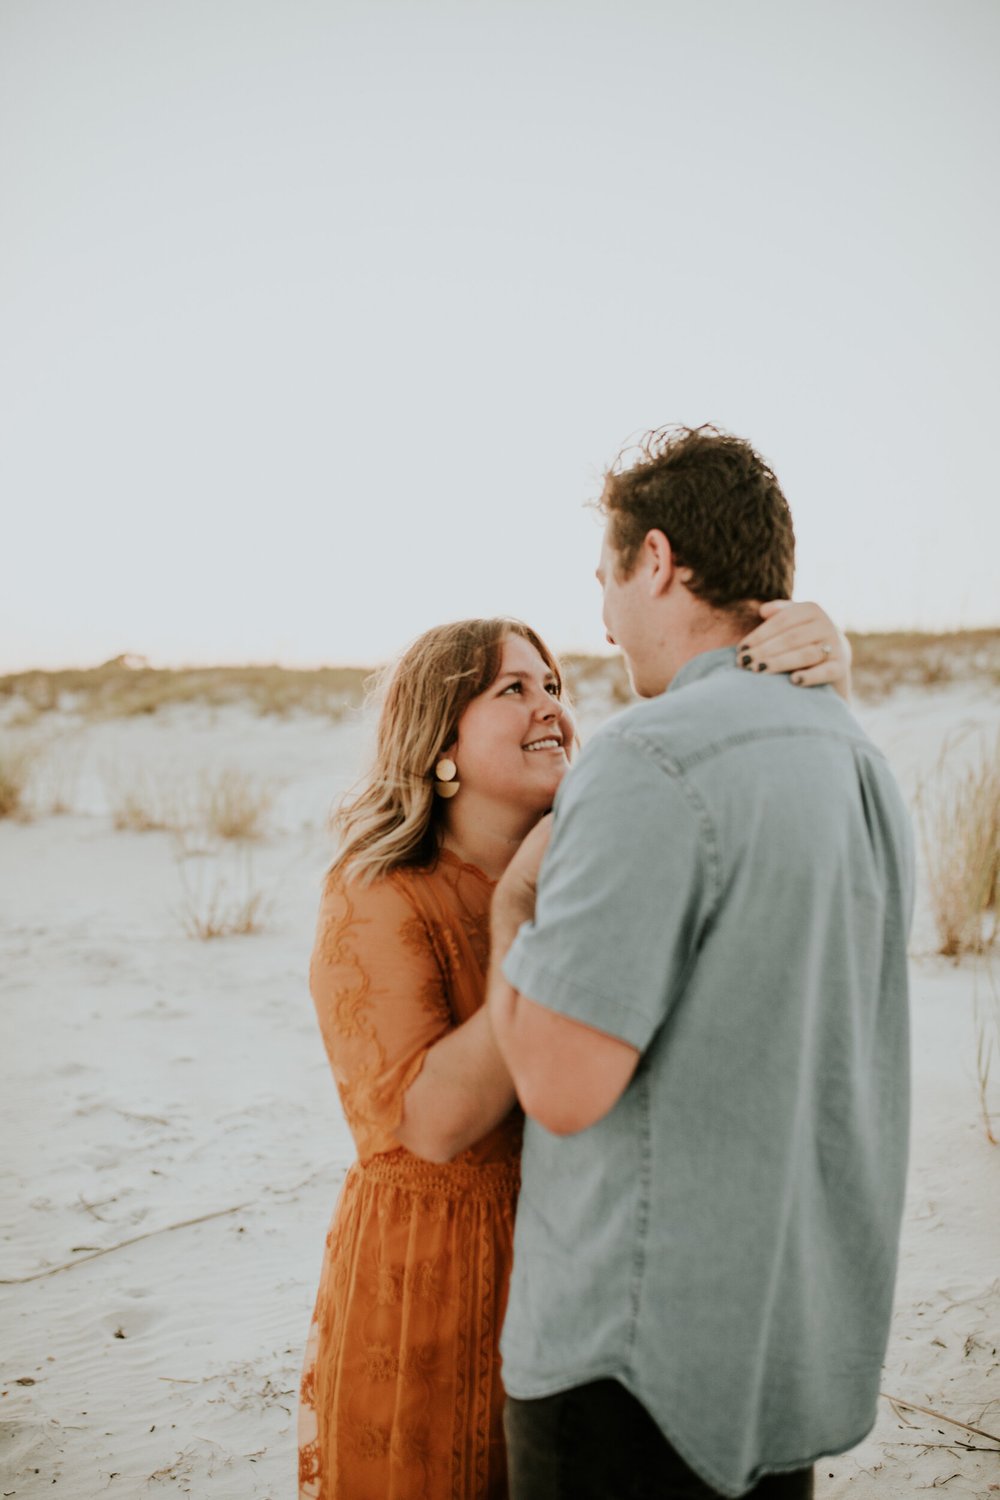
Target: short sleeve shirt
728	888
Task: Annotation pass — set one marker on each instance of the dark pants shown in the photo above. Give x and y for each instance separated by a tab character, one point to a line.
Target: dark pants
597	1442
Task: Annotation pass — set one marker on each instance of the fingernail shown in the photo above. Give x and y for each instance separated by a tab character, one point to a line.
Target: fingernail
745	661
797	678
762	666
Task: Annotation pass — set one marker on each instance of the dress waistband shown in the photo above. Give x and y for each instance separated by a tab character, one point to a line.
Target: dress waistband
454	1179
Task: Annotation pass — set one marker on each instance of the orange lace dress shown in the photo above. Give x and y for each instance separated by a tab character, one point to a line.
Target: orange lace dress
401	1396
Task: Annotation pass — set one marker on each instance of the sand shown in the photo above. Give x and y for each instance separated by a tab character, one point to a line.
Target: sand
166	1100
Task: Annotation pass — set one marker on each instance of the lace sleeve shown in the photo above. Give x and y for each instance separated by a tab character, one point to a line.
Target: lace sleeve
380	1001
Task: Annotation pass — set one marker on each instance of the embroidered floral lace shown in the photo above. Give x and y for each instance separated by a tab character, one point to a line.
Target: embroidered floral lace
401	1396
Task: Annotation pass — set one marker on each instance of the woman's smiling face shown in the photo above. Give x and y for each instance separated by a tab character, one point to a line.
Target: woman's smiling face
514	740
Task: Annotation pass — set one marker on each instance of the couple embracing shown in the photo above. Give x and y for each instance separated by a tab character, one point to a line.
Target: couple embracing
667	1024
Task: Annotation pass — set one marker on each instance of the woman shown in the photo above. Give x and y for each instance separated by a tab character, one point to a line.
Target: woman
401	1393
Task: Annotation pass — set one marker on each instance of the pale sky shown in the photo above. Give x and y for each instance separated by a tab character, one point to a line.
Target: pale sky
319	322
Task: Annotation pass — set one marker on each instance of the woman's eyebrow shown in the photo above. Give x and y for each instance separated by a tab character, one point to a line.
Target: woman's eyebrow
519	676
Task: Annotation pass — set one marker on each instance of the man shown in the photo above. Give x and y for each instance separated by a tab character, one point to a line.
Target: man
706	1022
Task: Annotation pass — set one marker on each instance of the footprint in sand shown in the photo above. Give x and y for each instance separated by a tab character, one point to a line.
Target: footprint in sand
131	1314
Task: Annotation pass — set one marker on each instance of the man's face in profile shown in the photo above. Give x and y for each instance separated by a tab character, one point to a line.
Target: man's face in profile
621	611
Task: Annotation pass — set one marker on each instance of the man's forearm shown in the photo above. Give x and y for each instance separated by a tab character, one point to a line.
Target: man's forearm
567	1075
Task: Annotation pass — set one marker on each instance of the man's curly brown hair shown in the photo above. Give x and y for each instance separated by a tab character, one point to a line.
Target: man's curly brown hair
718	504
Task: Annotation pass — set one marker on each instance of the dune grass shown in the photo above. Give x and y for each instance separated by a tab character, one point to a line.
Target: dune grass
882	662
232	804
141	801
214	805
893	659
602	674
959	818
17	762
127	686
220	899
56	774
986	1025
121	689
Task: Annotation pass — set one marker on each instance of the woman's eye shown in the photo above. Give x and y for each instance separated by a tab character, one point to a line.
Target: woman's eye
518	687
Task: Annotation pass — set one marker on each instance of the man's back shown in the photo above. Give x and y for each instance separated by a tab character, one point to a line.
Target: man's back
728	889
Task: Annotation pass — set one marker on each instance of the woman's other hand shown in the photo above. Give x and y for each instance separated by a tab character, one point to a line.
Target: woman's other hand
802	641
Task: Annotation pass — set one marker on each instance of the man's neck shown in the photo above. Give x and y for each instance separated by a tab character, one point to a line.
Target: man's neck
706	630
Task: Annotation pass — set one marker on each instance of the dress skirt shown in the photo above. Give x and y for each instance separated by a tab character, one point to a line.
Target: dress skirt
401	1393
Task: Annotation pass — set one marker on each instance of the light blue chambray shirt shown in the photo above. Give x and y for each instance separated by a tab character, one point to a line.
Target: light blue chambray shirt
729	889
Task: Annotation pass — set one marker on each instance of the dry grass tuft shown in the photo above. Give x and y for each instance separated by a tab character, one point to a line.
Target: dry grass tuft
17	762
55	783
225	804
234	805
959	816
38	776
142	802
986	1021
19	714
219	904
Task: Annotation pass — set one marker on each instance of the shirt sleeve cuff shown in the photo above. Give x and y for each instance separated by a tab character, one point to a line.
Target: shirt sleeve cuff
568	997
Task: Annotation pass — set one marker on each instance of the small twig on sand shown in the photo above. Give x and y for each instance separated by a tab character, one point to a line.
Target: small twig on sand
902	1417
93	1207
121	1245
132	1114
926	1447
218	1213
928	1411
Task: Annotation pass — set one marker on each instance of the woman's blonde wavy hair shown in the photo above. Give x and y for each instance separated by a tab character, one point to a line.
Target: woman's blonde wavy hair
395	817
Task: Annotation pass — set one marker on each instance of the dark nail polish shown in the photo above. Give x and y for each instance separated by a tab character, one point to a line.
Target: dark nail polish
762	666
745	661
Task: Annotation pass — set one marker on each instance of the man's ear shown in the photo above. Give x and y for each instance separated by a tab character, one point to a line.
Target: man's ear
658	555
661	563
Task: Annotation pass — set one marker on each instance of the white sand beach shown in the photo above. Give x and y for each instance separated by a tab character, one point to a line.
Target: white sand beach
172	1144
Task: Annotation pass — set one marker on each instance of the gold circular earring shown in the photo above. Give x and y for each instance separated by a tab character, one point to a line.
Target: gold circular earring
446	772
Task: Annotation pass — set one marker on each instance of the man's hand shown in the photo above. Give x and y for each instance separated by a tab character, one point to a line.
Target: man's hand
514	897
567	1075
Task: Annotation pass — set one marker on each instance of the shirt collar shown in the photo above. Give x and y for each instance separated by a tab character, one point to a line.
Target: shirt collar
703	665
